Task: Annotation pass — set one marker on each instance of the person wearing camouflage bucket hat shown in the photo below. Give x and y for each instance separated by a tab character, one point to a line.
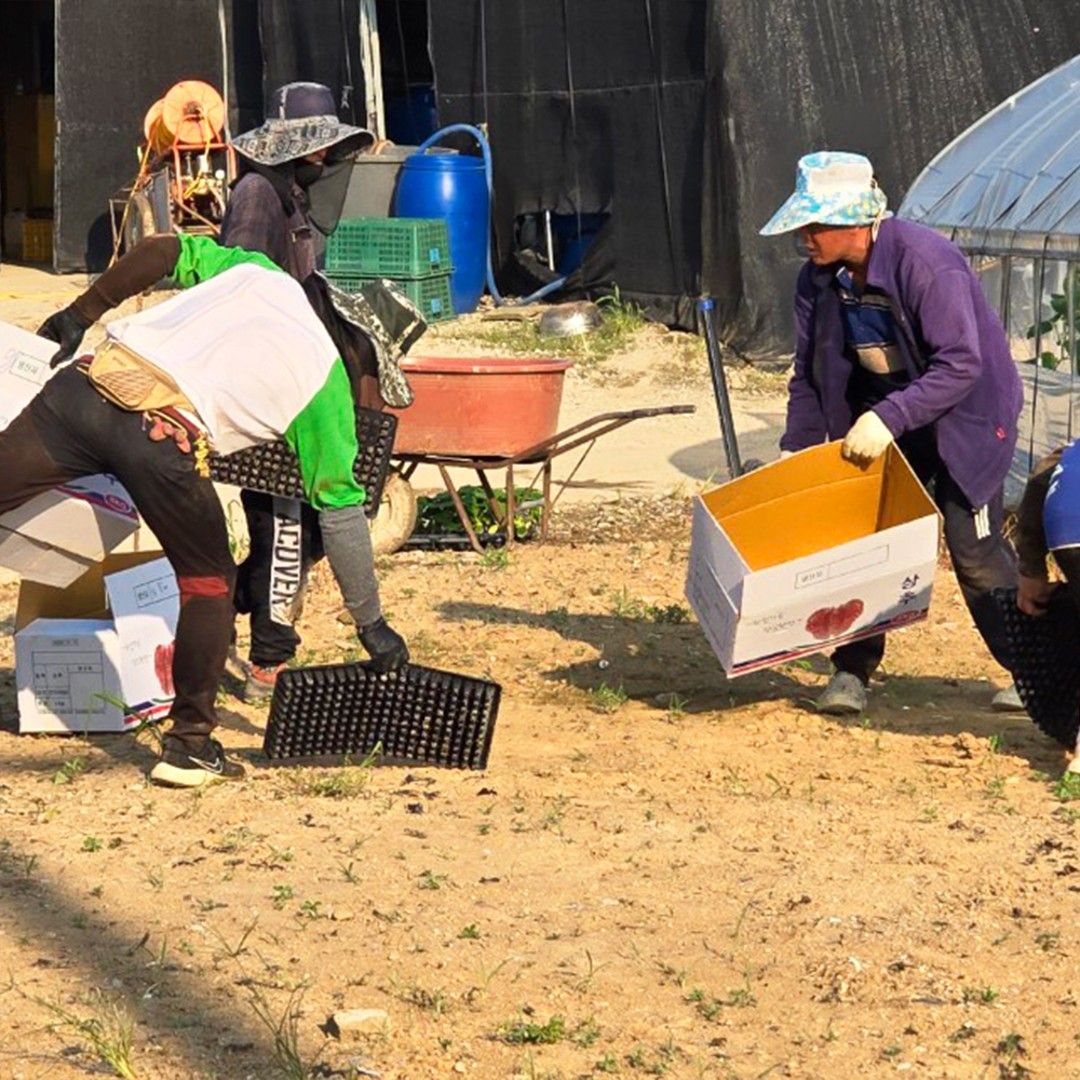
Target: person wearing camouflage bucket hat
295	170
302	120
896	342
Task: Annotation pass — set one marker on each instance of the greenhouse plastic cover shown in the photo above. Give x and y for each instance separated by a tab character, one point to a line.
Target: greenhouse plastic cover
1011	182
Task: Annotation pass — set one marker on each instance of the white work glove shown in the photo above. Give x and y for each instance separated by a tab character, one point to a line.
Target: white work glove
867	440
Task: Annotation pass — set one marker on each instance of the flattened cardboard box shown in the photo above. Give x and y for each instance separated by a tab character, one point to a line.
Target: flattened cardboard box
82	651
55	537
810	552
24	369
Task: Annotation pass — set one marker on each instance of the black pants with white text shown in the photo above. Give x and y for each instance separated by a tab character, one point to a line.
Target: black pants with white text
285	542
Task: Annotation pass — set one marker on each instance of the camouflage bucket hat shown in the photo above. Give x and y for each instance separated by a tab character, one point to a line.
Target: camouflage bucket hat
392	323
303	119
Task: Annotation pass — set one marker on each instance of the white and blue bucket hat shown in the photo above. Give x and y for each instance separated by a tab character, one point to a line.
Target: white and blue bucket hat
832	187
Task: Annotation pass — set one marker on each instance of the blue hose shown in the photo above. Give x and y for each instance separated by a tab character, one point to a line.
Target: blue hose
478	135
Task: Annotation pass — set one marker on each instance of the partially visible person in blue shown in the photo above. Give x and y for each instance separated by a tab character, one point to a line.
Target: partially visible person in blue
1048	522
896	342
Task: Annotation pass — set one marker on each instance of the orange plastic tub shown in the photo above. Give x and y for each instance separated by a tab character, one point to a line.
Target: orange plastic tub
479	406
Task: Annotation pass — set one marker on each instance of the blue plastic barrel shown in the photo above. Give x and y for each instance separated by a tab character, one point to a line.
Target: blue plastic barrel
575	233
454	187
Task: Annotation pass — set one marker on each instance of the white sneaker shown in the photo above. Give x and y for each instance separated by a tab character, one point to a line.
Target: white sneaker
1007	700
845	695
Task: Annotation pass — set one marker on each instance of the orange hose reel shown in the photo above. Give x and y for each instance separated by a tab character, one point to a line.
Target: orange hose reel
192	113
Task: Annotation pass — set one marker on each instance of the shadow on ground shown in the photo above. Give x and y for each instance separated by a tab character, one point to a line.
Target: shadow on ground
167	1004
669	666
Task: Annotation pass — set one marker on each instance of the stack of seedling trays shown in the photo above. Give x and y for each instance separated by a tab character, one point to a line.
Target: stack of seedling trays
1044	650
273	468
416	716
413	253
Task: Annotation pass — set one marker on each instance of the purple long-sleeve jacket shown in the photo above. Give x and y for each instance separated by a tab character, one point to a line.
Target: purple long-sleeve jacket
963	378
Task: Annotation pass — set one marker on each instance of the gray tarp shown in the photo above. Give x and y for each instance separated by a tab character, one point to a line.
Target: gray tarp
1011	182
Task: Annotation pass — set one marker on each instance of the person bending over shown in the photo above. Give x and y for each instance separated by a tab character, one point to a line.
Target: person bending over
238	358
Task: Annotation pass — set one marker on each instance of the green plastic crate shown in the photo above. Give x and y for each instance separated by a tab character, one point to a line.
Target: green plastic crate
431	294
389	247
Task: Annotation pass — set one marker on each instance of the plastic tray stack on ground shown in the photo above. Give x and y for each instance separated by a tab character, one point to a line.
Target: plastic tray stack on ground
1045	668
273	468
415	716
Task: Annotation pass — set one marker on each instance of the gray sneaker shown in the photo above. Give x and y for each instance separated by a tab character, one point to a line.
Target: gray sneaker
844	696
1007	700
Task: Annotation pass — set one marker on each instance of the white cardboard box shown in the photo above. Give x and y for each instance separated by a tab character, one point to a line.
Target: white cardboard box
810	552
74	663
24	369
55	537
58	535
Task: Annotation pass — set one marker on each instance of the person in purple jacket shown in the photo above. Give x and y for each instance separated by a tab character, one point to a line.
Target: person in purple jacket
896	342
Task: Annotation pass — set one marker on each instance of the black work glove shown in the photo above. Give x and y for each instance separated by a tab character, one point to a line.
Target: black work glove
385	646
66	328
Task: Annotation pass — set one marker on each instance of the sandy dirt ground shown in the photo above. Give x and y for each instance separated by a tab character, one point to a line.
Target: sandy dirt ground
660	873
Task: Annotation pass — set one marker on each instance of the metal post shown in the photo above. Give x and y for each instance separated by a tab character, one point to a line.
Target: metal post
547	237
707	307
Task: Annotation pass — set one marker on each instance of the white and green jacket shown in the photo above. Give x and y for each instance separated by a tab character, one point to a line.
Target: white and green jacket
245	347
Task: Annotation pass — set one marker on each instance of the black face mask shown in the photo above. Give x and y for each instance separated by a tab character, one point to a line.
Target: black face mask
307	172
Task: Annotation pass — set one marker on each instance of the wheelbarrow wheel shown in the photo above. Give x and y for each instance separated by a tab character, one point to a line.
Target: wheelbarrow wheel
396	517
139	223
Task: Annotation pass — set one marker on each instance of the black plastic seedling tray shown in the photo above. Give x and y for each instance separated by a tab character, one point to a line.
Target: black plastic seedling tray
273	468
414	716
1045	668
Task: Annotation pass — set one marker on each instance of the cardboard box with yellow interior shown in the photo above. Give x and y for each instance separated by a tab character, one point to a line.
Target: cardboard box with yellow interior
809	552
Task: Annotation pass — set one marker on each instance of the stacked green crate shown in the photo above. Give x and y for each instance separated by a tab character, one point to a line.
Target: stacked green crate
414	253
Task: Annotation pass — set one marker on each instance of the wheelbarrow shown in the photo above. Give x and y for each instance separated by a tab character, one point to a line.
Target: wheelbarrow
399	500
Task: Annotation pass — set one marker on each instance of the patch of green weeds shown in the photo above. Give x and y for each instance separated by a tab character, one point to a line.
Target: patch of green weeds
91	843
469	933
966	1030
345	782
280	895
626	606
608	699
71	769
1048	940
433	1001
495	558
284	1028
430	880
657	1065
1068	787
586	1033
108	1031
1010	1049
526	1032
